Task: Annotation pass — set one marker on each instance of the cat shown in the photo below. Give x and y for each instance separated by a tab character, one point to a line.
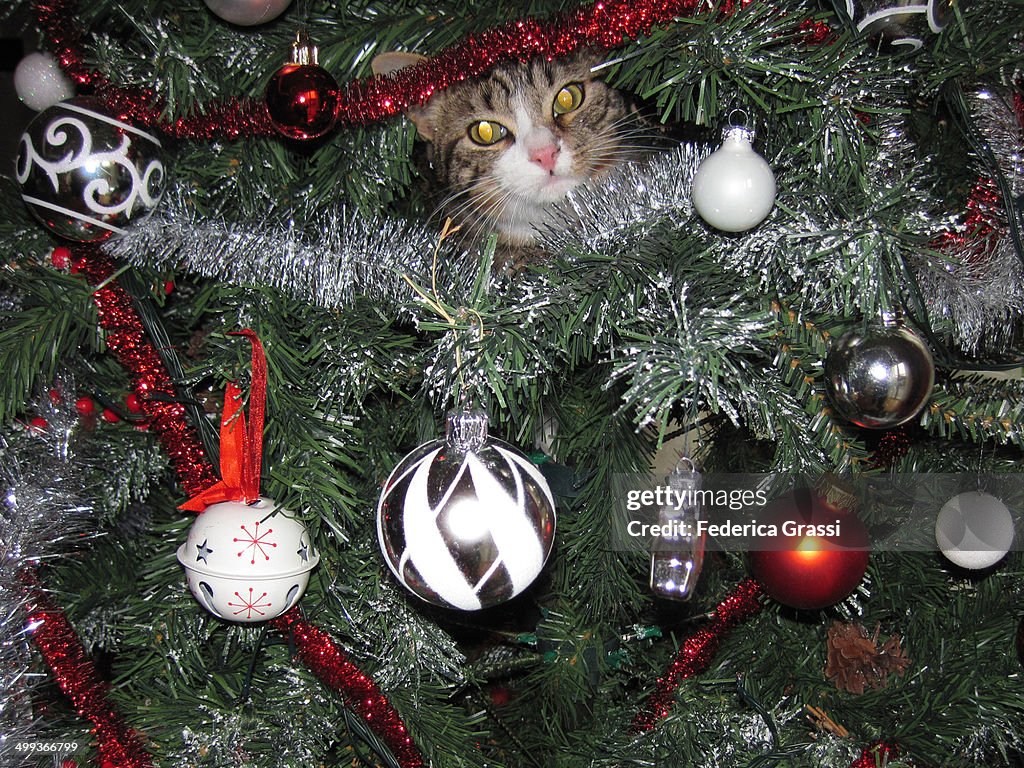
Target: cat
506	147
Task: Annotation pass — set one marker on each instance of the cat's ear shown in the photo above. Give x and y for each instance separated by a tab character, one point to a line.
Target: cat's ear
392	61
421	115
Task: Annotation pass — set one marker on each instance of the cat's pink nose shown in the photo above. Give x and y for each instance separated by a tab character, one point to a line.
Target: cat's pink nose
545	156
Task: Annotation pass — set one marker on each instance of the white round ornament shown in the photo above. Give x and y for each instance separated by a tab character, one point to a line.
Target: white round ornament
247	13
40	82
734	188
974	530
247	562
85	174
466	522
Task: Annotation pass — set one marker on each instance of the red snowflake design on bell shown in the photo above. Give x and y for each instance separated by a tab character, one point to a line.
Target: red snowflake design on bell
250	605
255	542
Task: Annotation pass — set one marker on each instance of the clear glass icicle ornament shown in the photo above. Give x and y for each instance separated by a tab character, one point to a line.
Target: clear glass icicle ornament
678	554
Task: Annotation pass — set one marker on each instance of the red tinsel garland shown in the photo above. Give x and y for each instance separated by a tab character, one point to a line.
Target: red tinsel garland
601	25
329	663
73	671
126	338
698	651
981	229
878	754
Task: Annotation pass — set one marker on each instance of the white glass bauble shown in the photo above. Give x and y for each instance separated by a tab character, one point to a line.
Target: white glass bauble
40	82
734	188
974	530
247	13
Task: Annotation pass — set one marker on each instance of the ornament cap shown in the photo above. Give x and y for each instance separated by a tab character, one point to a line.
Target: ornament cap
685	475
467	430
304	50
890	318
738	135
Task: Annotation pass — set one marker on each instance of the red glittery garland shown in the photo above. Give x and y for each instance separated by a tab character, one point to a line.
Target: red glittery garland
978	236
329	663
698	651
126	338
118	745
878	754
601	25
228	119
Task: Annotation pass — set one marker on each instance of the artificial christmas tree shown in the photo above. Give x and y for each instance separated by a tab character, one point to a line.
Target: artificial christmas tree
895	144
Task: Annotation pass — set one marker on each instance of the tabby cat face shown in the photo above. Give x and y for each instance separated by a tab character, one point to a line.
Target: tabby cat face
509	145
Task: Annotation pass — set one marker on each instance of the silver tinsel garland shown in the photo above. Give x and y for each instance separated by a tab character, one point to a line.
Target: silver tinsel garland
41	512
327	262
981	289
808	246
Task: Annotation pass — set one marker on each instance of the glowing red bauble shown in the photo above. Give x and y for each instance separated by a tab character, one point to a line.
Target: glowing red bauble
302	100
818	557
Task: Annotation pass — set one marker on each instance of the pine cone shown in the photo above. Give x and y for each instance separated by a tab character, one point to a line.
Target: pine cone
856	663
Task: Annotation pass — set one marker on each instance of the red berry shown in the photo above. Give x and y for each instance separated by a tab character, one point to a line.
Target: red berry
54	396
168	287
39	424
85	406
109	415
500	696
132	403
60	257
77	266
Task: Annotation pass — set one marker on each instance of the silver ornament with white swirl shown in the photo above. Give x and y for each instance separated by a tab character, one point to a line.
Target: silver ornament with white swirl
87	175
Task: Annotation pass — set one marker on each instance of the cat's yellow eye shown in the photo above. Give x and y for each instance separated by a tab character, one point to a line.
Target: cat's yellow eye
568	99
486	132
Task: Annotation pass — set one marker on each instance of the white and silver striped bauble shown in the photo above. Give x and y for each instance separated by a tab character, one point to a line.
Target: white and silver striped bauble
87	175
466	522
899	26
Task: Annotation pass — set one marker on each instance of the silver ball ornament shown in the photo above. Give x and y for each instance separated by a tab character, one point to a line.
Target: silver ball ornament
85	174
974	530
466	522
879	378
734	187
247	13
40	82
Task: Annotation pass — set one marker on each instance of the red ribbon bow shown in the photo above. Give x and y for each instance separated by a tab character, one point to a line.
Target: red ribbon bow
241	449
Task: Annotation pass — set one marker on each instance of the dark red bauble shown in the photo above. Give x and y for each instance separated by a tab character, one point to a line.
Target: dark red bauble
302	100
818	557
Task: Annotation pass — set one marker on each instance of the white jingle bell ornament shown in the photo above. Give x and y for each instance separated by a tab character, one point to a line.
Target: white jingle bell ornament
466	522
247	13
245	558
734	188
247	562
